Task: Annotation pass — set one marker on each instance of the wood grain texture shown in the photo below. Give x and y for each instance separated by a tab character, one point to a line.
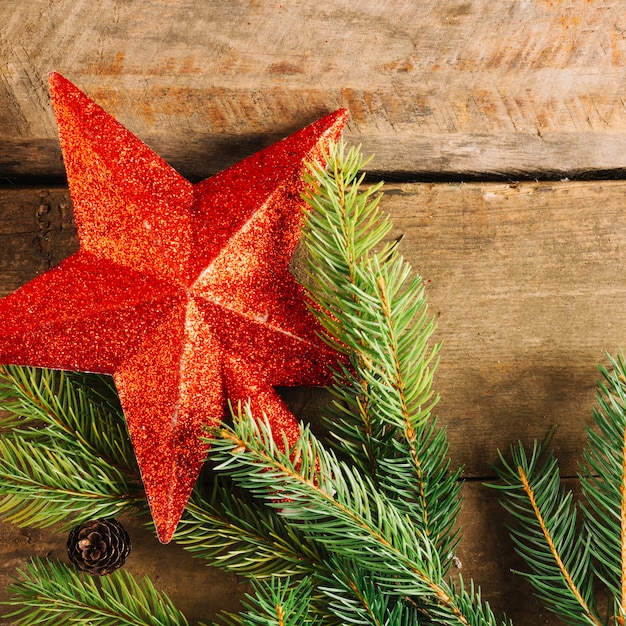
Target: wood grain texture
452	86
526	283
486	554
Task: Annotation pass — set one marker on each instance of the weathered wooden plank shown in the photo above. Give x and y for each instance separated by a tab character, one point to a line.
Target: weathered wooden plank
525	281
201	592
486	554
434	86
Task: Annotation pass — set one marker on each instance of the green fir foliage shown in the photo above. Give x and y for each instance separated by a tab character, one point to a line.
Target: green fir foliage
333	504
49	592
278	602
227	528
64	451
603	481
374	310
545	534
572	550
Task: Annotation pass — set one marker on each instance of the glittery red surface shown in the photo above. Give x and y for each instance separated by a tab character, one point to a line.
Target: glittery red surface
180	291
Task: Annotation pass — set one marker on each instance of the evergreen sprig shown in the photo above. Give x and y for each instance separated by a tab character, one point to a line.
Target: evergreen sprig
570	550
603	482
278	602
228	529
49	592
64	453
546	534
355	598
334	504
374	310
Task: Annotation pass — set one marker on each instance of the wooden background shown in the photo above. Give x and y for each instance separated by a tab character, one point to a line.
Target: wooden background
501	128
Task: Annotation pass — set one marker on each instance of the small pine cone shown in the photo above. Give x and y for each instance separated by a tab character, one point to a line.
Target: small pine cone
98	546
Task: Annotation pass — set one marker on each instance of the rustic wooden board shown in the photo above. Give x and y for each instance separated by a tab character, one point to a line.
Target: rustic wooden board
527	284
525	281
444	86
486	554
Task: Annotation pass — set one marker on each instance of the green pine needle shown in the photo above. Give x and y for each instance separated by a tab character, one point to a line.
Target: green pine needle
230	531
48	592
603	481
546	536
64	455
374	311
279	602
336	506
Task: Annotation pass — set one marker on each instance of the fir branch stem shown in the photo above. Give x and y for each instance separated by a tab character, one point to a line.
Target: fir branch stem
49	592
313	497
378	294
555	553
409	431
364	364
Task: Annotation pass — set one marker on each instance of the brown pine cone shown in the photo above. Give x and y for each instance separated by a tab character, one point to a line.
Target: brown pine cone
98	546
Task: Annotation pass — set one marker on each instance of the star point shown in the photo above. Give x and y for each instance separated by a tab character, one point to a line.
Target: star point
181	292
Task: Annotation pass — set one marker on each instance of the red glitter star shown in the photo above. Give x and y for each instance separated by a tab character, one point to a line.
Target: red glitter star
180	291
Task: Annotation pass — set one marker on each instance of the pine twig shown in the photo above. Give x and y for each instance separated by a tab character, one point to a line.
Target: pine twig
279	602
48	592
65	455
566	559
336	506
546	535
238	535
603	482
375	312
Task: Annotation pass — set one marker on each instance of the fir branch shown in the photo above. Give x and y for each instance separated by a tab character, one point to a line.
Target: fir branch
77	407
603	481
42	484
67	457
241	537
342	225
471	604
375	312
48	592
546	536
336	506
279	602
255	541
355	598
